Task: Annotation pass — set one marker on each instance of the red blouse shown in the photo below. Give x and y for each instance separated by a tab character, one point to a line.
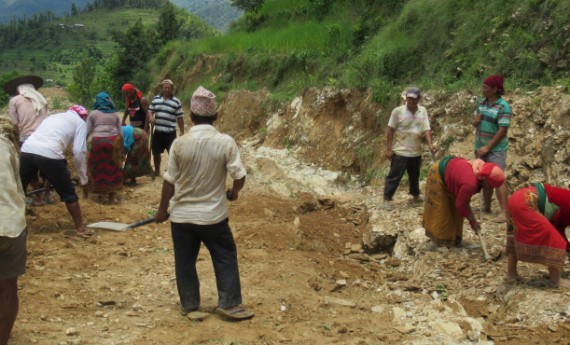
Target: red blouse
461	182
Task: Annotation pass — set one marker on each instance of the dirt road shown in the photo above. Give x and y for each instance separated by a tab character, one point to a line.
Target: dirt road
302	272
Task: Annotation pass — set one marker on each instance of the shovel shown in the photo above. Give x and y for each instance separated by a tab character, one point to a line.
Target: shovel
120	226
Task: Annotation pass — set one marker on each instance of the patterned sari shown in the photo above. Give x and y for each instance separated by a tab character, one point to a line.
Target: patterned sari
441	219
530	235
104	162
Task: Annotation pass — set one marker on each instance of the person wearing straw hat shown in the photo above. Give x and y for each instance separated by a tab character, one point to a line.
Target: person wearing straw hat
44	151
27	109
166	112
195	188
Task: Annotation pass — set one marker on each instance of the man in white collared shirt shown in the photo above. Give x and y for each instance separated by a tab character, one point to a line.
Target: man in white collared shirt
407	125
195	188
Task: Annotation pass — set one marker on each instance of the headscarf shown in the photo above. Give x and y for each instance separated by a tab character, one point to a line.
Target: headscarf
167	81
495	81
129	139
37	99
203	102
104	103
79	110
490	172
130	87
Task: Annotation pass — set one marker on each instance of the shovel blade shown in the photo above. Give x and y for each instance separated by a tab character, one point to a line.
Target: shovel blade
109	226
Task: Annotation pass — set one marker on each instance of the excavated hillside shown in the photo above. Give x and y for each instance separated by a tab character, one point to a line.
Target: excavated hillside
307	228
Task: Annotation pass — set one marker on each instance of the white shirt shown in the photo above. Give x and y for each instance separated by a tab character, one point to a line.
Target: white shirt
198	166
409	129
12	199
55	134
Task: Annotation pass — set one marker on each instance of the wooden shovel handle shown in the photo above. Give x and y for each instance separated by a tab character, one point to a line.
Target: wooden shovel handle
140	223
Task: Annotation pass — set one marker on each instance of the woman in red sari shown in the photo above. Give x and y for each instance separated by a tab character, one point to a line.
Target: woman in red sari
451	183
538	216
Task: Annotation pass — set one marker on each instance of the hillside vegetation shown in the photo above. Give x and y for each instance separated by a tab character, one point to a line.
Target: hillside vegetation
52	50
217	13
96	48
288	45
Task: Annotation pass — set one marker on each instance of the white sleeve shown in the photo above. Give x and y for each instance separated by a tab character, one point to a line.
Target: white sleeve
233	162
79	152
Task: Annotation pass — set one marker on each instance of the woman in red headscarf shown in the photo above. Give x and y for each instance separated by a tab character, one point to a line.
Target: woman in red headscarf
451	183
538	217
137	108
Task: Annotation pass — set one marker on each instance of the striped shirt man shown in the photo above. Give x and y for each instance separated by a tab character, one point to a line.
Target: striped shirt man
493	116
166	113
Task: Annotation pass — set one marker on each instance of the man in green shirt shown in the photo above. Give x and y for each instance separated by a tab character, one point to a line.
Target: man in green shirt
492	120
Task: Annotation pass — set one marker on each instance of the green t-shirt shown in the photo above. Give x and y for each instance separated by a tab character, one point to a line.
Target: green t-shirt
493	116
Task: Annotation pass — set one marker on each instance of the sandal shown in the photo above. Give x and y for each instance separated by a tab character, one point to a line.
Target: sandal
236	313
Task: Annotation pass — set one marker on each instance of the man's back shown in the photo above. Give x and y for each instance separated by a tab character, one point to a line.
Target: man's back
198	167
22	115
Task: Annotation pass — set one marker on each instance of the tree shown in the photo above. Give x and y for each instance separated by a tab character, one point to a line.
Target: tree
168	24
135	49
248	5
74	10
83	75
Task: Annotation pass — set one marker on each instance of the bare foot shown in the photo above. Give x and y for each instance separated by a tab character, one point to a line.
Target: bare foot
84	232
512	279
564	283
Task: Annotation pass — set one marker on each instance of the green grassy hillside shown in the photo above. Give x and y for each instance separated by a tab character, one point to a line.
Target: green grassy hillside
383	45
53	55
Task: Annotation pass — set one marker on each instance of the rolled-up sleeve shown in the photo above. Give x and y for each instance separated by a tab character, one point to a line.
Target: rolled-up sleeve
233	162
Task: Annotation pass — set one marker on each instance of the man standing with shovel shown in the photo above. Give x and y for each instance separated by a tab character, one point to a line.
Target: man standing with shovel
194	187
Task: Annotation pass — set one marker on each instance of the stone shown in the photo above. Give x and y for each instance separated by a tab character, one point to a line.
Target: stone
339	301
449	328
406	329
71	331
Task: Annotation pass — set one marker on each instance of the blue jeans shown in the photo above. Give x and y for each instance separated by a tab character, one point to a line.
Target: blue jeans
398	167
218	239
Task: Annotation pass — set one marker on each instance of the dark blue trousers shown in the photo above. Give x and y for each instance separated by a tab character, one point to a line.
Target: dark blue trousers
219	241
398	167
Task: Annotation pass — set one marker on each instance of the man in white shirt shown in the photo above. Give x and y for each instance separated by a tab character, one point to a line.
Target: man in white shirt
44	151
195	187
407	124
13	236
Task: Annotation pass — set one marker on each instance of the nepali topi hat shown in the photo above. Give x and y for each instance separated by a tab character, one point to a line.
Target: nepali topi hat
203	102
11	86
